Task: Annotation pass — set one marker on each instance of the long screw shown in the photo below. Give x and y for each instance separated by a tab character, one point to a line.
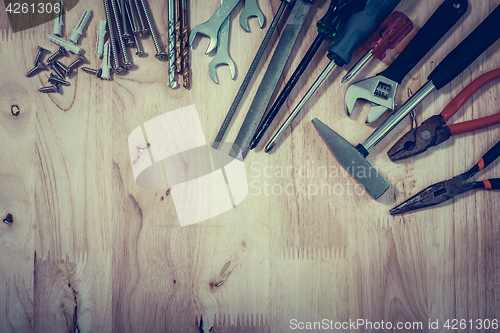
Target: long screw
160	53
126	61
36	69
131	18
39	54
177	28
96	72
51	89
114	51
121	6
171	45
145	29
55	80
185	48
61	52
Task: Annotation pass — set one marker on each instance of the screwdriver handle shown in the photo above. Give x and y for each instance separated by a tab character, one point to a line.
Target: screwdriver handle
359	26
388	35
447	14
468	50
333	22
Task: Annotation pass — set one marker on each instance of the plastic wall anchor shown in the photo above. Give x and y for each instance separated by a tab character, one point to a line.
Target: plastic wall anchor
67	45
78	31
101	36
106	62
58	24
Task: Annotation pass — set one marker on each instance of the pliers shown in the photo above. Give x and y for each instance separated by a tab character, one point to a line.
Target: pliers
443	191
434	130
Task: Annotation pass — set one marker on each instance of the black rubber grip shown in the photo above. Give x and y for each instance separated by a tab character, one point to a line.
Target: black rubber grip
359	26
490	156
432	31
468	50
495	183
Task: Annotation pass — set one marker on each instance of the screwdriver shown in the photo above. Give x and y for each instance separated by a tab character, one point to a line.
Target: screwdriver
387	36
329	26
340	53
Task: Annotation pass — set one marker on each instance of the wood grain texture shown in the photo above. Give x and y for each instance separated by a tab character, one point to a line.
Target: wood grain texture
90	250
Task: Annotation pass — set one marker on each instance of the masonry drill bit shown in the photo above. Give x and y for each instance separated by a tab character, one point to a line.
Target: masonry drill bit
171	45
185	47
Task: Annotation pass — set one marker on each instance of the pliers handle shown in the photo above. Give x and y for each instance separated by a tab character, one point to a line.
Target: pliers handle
434	130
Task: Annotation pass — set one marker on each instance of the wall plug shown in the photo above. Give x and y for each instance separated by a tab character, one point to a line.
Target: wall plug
101	35
106	62
67	45
58	24
78	31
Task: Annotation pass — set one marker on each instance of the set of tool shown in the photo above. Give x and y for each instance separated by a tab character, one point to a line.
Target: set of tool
217	28
353	158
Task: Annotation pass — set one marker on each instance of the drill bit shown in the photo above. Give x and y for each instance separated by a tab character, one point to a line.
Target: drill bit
177	28
185	48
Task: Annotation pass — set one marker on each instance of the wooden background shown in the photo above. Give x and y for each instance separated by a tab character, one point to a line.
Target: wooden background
90	251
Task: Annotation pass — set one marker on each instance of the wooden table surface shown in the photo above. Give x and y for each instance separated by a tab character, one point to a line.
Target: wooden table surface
91	251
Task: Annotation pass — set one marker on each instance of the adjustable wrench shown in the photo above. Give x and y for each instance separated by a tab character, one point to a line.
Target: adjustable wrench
251	9
211	27
381	89
222	57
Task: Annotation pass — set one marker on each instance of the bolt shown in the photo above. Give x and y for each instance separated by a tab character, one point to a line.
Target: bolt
55	80
60	53
126	62
160	54
96	72
50	89
114	51
57	70
39	54
74	64
36	69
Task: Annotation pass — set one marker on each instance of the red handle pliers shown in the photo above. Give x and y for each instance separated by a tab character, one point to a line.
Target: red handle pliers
434	130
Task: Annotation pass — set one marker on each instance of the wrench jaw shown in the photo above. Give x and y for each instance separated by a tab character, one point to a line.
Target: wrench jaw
378	90
200	29
246	15
212	69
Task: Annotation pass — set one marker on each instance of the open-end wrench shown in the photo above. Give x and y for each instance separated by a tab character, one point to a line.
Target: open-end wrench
251	9
222	57
211	27
381	89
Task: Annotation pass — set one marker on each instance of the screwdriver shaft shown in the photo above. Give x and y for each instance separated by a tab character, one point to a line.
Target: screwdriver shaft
357	67
287	90
248	76
301	104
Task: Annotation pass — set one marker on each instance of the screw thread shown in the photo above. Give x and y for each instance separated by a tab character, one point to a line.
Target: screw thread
59	53
50	89
39	55
75	63
151	27
35	70
114	50
126	61
141	20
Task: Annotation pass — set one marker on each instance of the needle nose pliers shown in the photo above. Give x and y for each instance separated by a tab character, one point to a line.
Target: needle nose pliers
434	130
445	190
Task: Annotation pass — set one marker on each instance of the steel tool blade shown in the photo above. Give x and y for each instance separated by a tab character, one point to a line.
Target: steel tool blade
270	80
352	160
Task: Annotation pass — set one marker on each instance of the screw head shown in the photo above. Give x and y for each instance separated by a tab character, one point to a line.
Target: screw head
127	64
145	32
117	70
140	53
161	55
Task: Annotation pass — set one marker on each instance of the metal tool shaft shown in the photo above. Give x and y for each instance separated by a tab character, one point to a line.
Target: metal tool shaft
249	75
185	48
171	45
391	122
301	104
357	67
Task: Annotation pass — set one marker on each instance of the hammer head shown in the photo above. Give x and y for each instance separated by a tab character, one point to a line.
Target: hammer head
378	89
353	160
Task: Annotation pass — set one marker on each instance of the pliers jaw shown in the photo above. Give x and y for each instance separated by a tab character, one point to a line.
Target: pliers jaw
431	132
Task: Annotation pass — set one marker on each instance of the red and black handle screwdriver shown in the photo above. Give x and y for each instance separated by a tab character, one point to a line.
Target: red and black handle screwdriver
388	35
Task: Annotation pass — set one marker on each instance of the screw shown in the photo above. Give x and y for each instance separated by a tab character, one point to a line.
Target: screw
74	64
131	18
116	68
60	53
60	65
50	89
140	51
57	70
36	69
96	72
39	54
145	29
126	62
55	80
159	49
121	8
